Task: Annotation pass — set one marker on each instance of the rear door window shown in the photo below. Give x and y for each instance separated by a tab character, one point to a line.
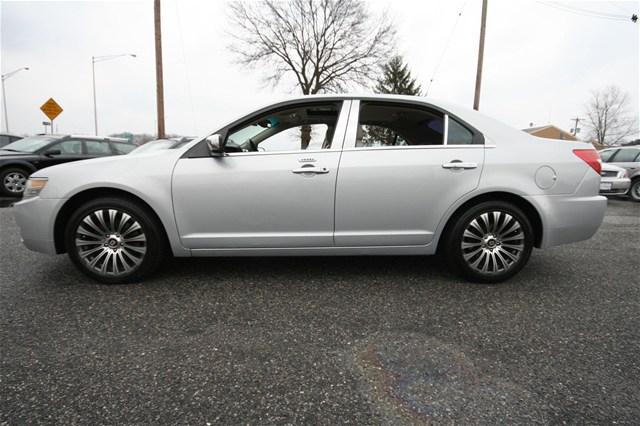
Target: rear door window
626	155
387	125
97	148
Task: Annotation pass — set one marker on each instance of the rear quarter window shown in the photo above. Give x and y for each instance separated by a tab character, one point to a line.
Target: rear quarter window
122	148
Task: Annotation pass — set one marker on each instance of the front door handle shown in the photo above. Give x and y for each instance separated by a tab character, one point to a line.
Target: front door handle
311	170
459	165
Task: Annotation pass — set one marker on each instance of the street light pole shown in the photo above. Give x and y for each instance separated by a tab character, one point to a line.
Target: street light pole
95	59
95	107
4	95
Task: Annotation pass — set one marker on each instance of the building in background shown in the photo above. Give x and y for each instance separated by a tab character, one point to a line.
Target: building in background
550	132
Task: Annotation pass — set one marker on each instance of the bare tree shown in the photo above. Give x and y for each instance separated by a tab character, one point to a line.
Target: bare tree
325	44
609	117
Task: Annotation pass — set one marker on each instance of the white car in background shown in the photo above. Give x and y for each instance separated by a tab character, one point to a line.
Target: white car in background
614	180
324	175
627	157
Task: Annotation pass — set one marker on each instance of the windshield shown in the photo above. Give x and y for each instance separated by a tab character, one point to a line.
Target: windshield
31	144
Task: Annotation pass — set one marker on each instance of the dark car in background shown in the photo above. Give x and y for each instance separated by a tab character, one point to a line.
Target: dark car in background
23	157
7	138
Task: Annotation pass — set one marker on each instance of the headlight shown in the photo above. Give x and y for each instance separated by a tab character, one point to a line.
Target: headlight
34	186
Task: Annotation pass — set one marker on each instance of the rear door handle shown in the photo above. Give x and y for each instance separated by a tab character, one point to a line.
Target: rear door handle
459	165
311	170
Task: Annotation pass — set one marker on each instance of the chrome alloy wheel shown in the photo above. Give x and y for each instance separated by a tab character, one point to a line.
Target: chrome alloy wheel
493	242
635	191
110	242
15	182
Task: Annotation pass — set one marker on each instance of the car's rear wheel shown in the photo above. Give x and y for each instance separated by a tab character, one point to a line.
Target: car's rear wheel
634	190
14	180
490	242
115	240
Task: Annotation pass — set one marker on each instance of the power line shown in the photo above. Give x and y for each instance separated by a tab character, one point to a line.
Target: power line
613	3
593	12
586	12
446	47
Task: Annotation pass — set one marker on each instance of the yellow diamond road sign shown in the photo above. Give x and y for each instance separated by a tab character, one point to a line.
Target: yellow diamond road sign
51	109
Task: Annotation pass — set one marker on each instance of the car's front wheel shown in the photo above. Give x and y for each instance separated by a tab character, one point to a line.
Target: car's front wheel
115	240
634	190
14	180
490	242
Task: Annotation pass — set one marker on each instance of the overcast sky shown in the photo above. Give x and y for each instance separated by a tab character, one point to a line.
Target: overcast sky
541	61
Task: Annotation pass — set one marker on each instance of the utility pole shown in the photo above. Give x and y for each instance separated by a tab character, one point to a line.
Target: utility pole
575	128
159	82
483	26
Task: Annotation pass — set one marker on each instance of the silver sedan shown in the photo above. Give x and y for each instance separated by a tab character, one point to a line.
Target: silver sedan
615	180
324	175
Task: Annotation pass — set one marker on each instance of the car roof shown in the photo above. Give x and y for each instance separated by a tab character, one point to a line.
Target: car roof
11	134
489	127
89	137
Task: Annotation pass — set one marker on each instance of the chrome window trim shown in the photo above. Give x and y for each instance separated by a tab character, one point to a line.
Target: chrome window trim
413	147
303	152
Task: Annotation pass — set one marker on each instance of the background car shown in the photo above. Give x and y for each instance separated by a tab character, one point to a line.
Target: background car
324	175
7	138
160	144
628	158
614	180
23	157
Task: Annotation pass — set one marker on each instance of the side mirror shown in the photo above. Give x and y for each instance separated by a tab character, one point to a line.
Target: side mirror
52	152
214	143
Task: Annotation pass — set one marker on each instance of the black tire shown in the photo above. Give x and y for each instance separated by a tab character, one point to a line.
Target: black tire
634	190
484	248
9	187
121	245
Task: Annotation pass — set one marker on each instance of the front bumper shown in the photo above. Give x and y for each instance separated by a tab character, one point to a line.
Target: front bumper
614	185
35	218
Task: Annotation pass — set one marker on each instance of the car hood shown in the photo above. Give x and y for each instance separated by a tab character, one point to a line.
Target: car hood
121	171
8	155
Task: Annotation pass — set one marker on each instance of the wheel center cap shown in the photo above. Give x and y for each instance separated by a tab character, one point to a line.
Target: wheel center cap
113	242
490	242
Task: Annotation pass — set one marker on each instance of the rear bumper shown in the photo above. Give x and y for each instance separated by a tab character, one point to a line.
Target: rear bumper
35	218
568	219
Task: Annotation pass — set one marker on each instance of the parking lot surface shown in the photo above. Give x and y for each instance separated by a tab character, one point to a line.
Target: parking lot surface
367	340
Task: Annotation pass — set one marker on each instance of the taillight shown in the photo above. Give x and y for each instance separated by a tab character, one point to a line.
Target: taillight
591	157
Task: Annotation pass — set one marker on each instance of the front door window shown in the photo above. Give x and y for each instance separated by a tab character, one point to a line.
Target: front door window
300	128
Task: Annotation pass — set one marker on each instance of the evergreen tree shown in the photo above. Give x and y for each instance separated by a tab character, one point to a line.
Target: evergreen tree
396	79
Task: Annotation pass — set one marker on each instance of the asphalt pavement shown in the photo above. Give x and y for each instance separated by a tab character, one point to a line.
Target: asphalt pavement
344	340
